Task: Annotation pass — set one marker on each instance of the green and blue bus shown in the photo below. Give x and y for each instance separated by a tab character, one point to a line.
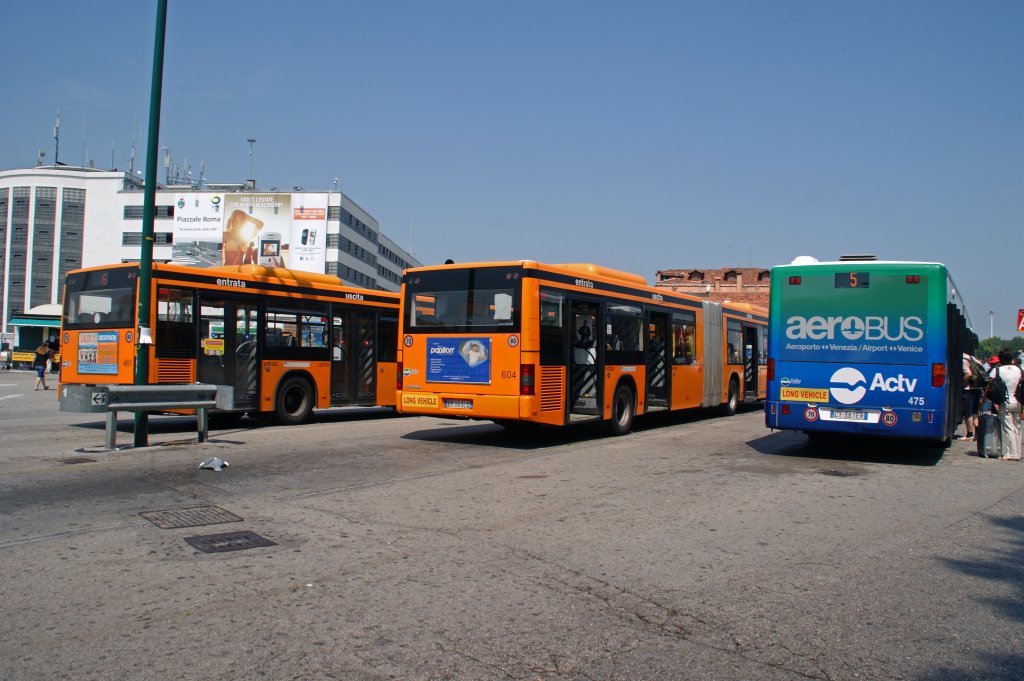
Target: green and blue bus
862	346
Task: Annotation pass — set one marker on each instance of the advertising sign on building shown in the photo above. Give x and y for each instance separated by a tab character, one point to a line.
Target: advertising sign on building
274	230
256	229
198	220
309	232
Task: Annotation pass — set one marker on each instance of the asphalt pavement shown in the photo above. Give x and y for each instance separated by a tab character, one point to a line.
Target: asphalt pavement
696	547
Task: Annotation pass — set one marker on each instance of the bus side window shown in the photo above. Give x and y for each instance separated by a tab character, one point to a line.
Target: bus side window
684	339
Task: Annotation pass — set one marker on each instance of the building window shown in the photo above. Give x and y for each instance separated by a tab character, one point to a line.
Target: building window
135	239
159	212
696	275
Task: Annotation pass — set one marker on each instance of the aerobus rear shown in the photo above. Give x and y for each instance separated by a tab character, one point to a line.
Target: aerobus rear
462	353
857	347
98	326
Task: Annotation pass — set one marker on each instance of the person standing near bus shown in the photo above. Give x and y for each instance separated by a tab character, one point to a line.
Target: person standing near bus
42	358
1009	411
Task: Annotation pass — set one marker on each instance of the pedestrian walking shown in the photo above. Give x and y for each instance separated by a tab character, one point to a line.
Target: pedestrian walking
43	357
1009	410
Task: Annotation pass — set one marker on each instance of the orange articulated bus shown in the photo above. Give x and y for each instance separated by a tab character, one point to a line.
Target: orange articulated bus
523	342
275	341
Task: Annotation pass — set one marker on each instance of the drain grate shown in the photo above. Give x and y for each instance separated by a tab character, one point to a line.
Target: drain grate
228	541
78	459
190	517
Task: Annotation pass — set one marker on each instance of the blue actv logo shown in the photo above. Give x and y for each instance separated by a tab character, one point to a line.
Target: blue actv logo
848	386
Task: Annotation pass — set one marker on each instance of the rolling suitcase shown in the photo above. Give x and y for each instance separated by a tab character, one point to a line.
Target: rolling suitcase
988	435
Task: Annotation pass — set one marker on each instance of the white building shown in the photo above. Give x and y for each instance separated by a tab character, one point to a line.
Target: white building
58	218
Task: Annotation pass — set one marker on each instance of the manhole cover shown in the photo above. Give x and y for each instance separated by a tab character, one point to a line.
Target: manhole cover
228	541
190	517
78	459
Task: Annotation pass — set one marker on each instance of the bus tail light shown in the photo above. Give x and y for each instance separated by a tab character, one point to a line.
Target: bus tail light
398	380
913	278
794	281
784	409
938	375
771	369
527	382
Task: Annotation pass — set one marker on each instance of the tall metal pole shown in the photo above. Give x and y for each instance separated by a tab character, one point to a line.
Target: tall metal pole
252	179
144	331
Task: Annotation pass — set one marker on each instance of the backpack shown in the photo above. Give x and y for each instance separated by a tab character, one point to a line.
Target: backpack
996	391
1018	394
979	379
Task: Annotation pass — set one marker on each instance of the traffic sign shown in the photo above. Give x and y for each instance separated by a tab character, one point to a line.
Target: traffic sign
1020	320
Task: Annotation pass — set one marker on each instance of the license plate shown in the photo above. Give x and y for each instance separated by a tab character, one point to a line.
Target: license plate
849	415
458	404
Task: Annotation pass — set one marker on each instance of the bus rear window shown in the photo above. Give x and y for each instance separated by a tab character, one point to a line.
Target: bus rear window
463	300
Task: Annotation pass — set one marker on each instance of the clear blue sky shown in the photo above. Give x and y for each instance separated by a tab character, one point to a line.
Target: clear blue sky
637	135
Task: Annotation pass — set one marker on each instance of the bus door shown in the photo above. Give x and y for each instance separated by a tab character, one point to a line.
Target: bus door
658	347
366	376
751	360
584	368
228	349
353	357
341	357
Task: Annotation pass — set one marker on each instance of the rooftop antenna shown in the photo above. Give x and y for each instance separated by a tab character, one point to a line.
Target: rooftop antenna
85	113
39	157
335	183
112	167
56	139
167	164
202	173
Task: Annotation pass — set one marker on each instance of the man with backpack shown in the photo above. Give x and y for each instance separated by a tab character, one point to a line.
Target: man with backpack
975	380
1006	391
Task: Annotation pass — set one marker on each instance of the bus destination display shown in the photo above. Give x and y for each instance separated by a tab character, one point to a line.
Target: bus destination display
852	280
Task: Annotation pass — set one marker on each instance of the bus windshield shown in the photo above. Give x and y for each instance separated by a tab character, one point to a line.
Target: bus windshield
851	316
470	299
100	299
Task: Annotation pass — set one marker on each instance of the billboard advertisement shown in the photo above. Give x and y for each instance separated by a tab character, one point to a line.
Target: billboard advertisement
198	220
308	250
275	230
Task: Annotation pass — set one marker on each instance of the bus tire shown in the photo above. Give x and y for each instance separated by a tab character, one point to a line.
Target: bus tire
294	401
623	410
729	408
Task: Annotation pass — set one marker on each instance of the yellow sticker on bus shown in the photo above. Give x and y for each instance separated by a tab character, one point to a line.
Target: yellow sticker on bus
805	394
414	400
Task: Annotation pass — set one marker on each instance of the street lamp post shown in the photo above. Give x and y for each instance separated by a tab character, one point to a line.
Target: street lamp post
143	342
991	324
252	179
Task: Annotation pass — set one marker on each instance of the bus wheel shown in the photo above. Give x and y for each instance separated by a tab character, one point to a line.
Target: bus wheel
294	401
729	408
623	410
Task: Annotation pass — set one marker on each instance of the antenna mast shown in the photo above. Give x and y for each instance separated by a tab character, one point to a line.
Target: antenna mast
56	140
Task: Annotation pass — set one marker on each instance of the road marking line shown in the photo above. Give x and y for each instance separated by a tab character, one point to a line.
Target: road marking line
7	397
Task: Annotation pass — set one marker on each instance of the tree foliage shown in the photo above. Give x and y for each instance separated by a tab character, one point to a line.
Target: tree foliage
992	346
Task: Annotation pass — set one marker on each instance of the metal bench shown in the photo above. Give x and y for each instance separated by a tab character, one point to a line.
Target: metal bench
154	398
